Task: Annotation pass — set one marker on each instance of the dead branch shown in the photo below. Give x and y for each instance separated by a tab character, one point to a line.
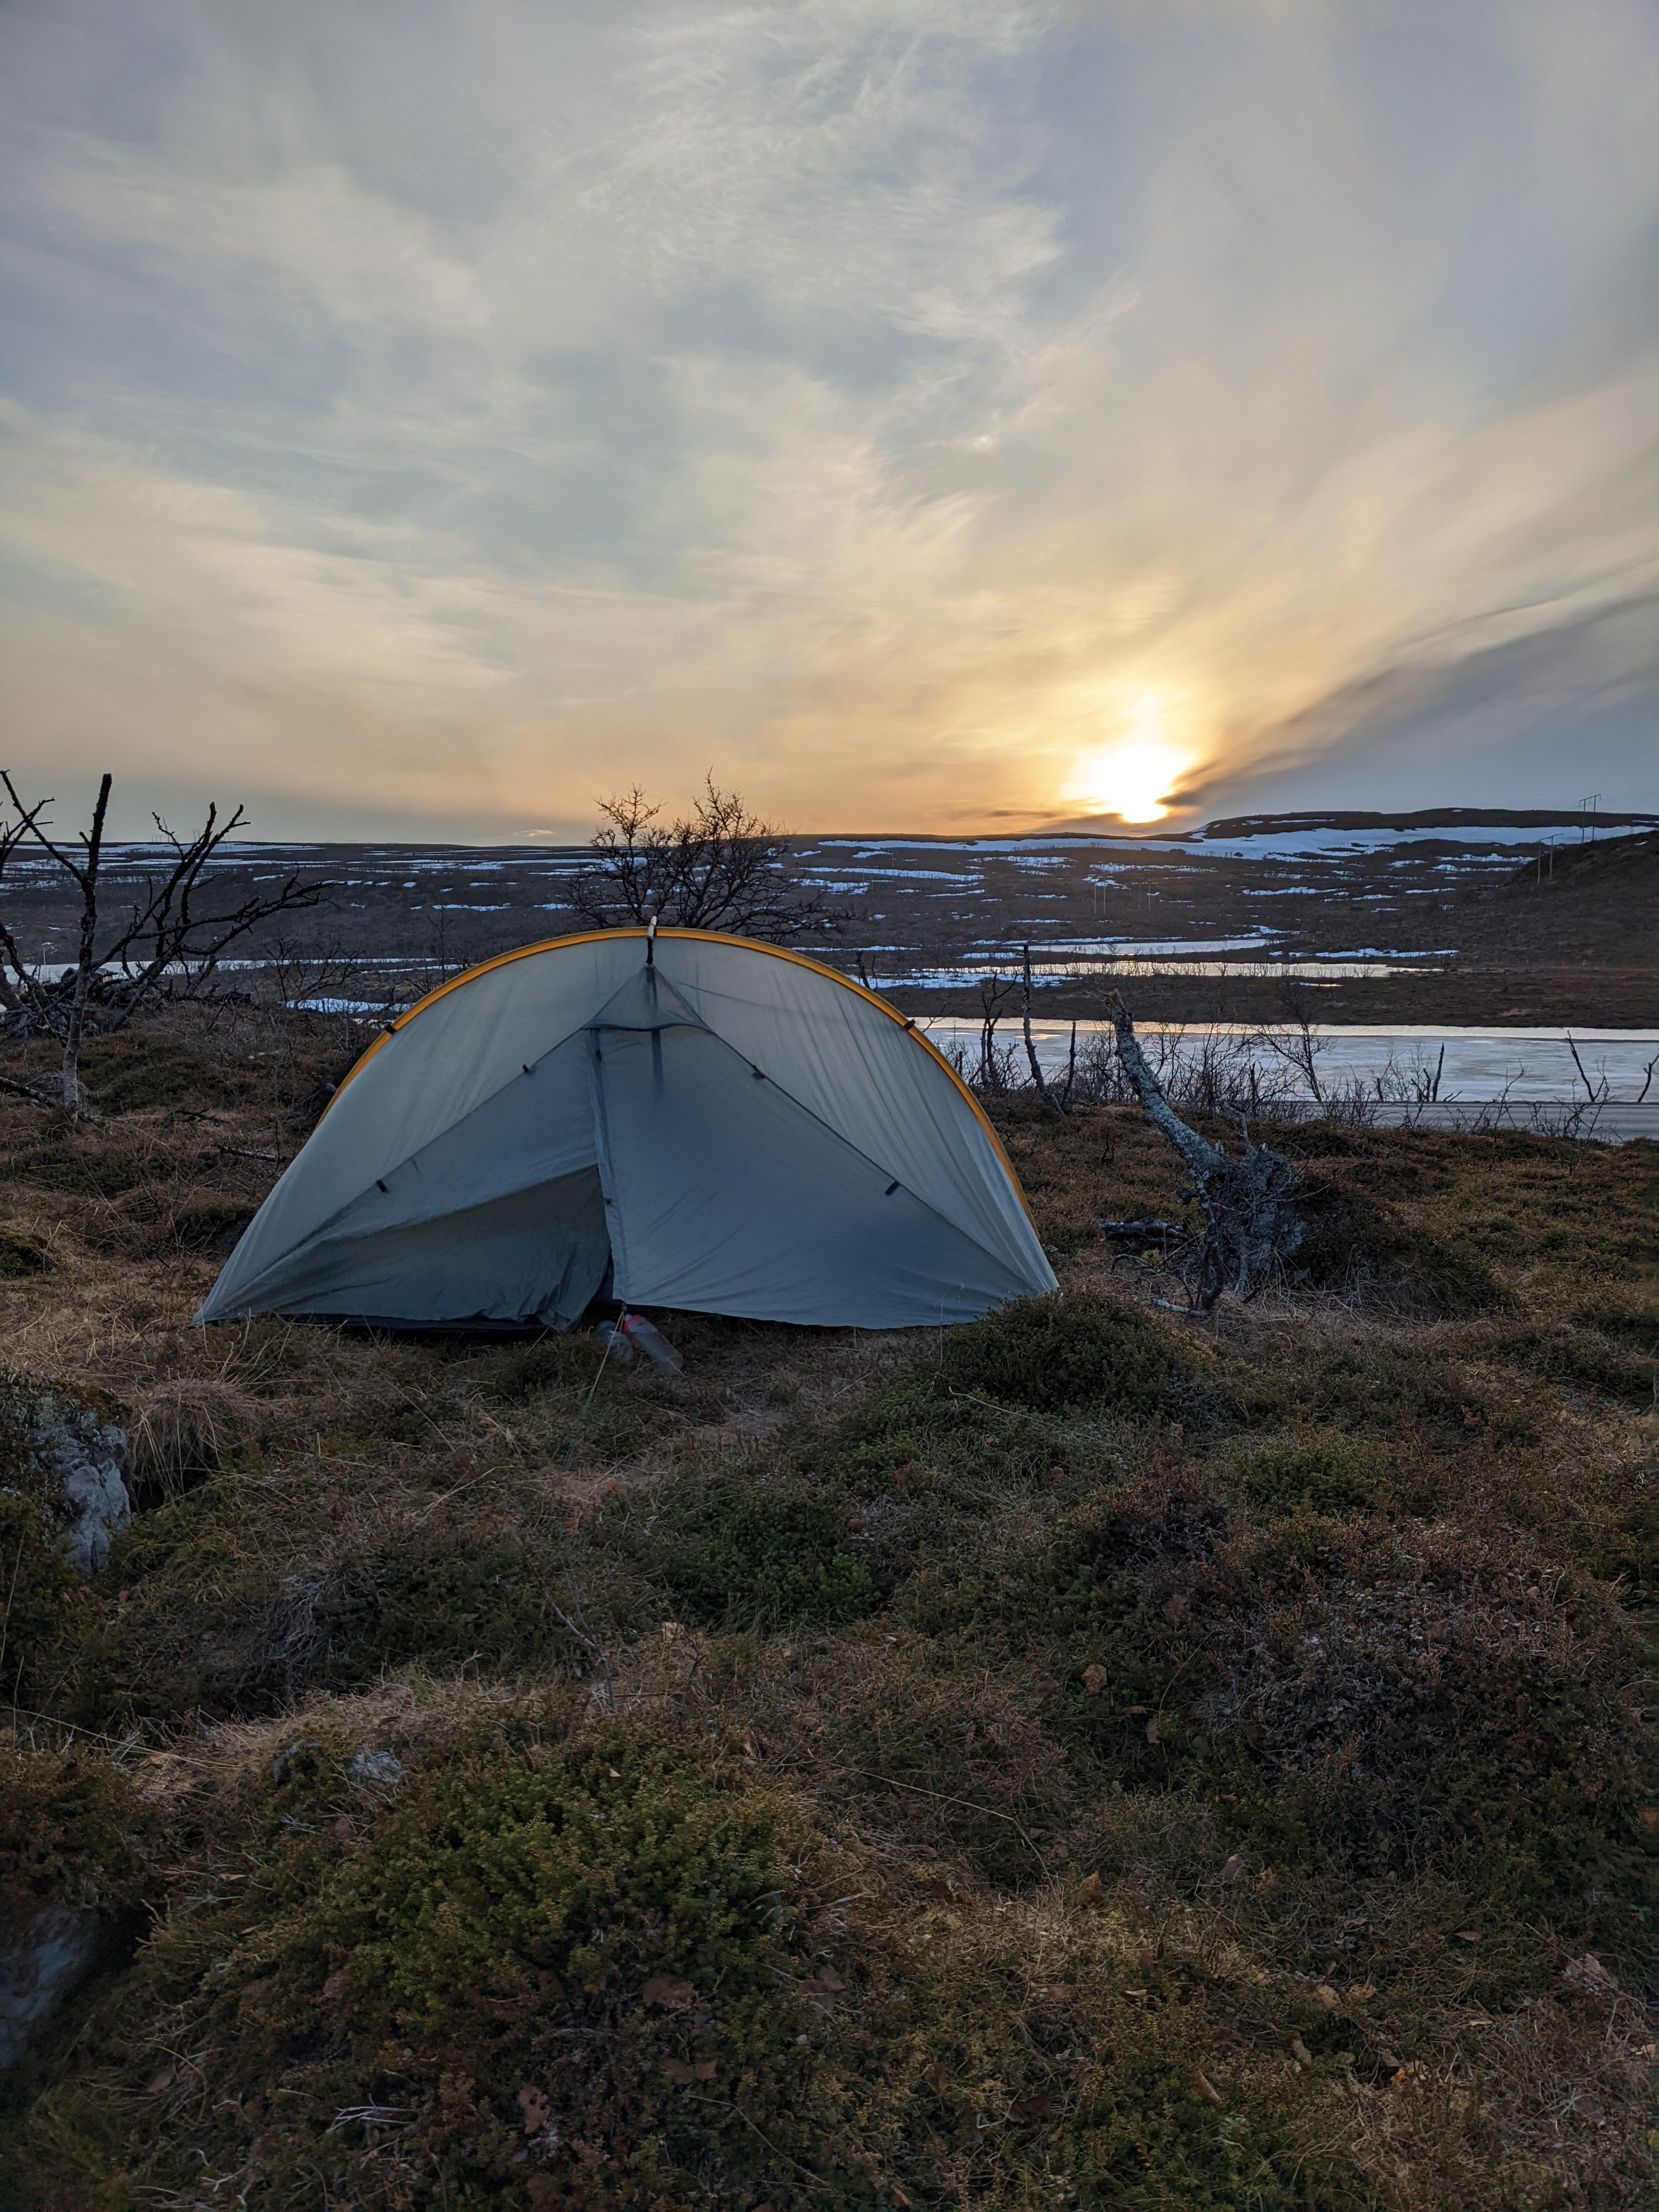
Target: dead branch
1035	1065
1252	1218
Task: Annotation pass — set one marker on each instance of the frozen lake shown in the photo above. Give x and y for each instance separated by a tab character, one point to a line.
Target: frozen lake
1526	1065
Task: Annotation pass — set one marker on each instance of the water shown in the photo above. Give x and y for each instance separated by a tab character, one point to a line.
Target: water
1528	1065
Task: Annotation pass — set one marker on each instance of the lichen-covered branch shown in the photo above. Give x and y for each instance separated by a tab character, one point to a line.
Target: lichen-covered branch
1251	1206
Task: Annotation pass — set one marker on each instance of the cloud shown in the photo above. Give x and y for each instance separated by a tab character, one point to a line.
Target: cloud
427	425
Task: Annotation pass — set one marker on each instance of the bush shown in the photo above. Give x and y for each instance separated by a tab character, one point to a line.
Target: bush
1063	1354
72	1832
1326	1474
437	1602
760	1559
23	1254
38	1591
571	1980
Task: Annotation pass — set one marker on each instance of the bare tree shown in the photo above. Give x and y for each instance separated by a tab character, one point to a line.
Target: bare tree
1297	1046
1252	1217
1035	1064
161	945
720	867
993	1074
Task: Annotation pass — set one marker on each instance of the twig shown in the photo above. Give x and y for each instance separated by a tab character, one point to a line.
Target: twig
579	1629
1043	1090
570	1441
788	2156
23	1091
967	1803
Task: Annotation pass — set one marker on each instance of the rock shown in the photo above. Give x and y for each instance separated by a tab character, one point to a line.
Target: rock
291	1752
381	1767
58	1445
54	1950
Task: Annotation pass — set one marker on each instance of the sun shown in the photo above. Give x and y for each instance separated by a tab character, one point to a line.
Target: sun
1131	776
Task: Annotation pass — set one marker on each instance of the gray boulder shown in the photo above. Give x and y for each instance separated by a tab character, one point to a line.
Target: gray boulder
50	1955
57	1444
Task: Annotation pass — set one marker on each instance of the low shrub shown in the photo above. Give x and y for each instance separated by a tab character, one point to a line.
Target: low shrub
40	1592
73	1831
1329	1474
140	1068
21	1252
1078	1353
431	1600
762	1559
580	1979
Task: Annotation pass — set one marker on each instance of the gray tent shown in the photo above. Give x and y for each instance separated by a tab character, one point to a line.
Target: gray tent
735	1128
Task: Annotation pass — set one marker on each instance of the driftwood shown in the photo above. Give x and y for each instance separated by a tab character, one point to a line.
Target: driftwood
1251	1205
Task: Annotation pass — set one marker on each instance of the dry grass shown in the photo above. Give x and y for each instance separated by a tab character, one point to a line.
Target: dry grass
1208	1780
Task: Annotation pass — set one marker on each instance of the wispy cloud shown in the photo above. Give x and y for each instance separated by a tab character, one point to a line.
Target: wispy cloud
427	420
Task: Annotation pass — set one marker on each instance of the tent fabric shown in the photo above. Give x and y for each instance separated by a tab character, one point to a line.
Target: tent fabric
729	1128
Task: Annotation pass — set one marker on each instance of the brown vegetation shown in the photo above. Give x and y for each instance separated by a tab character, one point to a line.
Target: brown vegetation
1093	1757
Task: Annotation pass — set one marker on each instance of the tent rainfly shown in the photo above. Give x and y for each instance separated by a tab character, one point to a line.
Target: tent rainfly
730	1128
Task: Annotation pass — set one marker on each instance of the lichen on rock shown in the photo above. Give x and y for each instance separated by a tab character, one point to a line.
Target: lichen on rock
60	1446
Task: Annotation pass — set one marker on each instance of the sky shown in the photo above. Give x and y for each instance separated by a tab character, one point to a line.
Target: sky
419	418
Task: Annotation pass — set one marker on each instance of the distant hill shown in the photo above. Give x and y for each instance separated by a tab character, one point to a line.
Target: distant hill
1601	862
1430	818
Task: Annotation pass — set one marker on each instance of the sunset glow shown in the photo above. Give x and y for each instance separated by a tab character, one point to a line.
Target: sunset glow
1134	775
413	430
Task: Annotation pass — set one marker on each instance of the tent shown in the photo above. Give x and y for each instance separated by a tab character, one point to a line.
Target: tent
729	1128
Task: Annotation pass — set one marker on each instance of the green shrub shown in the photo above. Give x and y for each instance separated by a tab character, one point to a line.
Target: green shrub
37	1591
72	1831
1409	1699
437	1602
568	1980
766	1558
1326	1474
1012	1397
1101	1601
1066	1353
224	1614
142	1068
205	1221
23	1254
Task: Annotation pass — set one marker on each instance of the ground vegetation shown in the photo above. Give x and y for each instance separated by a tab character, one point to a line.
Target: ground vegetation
1103	1756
